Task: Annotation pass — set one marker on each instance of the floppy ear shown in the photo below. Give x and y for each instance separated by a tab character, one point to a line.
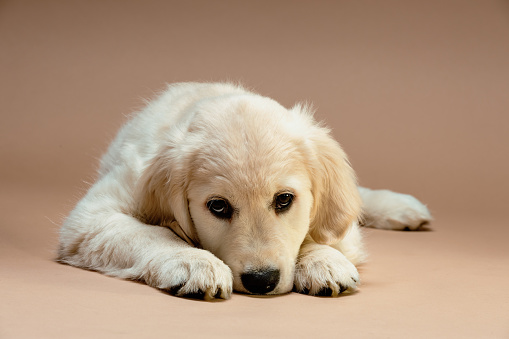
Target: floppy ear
161	195
337	202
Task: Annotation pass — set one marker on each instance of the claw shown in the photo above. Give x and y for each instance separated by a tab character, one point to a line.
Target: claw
324	292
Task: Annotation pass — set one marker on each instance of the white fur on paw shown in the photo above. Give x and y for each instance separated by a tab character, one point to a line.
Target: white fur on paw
325	272
389	210
193	272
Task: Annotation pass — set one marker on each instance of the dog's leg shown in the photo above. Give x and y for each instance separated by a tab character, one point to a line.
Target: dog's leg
395	211
99	236
323	270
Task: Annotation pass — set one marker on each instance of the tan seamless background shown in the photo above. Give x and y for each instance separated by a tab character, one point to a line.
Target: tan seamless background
417	92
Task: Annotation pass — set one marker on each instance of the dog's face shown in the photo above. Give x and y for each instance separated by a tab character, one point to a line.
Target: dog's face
254	219
248	181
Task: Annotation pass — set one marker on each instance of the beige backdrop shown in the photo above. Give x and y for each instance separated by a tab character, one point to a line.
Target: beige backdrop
417	92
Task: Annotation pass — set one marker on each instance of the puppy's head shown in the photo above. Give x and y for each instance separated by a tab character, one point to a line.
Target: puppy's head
247	181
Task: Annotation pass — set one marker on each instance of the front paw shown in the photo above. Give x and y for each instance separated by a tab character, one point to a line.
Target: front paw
193	273
395	211
325	272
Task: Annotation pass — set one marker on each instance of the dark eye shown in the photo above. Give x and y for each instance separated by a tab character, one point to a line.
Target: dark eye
220	208
283	202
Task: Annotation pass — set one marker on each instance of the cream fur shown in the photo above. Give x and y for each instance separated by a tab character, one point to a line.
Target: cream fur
146	216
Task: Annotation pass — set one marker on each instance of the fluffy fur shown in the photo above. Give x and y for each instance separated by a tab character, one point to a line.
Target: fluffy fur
147	216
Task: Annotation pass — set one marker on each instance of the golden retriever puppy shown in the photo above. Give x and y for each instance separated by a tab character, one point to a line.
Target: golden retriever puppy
212	188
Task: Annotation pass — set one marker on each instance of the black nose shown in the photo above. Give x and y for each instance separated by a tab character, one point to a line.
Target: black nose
260	281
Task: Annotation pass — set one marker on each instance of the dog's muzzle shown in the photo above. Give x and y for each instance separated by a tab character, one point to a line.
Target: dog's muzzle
260	281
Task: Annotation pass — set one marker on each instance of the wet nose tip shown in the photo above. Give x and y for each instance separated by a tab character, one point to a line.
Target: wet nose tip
260	281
